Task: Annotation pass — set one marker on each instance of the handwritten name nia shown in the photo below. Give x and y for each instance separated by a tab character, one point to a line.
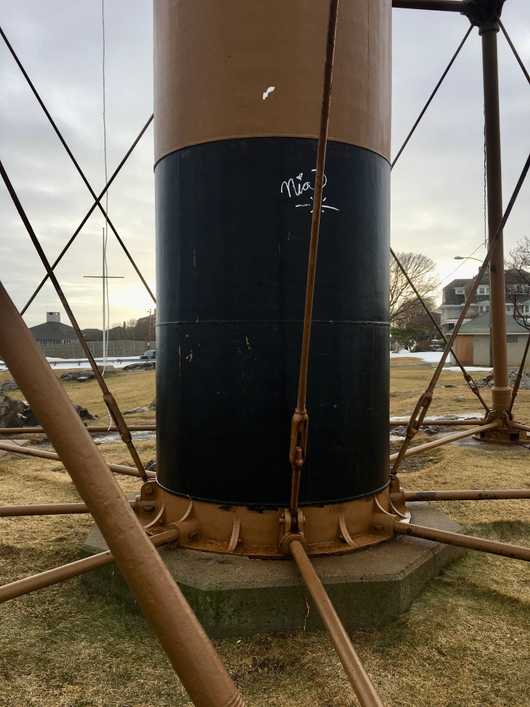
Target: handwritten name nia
299	188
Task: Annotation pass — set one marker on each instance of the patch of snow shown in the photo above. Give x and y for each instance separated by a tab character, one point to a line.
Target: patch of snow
468	368
429	356
62	363
435	418
104	438
434	357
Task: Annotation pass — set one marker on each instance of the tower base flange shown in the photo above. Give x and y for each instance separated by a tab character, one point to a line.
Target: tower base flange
503	435
237	596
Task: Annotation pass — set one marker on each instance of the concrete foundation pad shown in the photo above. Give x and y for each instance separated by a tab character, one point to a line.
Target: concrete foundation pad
237	596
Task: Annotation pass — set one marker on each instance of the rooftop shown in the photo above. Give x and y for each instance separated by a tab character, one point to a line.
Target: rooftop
481	325
52	330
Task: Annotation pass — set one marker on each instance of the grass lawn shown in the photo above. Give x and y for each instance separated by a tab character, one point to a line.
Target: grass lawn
464	643
130	388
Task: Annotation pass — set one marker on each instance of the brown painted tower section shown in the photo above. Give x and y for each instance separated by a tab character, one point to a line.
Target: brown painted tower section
214	60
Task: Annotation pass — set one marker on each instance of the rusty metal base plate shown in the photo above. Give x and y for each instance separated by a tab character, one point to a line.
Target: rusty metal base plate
502	435
332	529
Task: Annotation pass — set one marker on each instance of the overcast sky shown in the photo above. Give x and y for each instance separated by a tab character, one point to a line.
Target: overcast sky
437	190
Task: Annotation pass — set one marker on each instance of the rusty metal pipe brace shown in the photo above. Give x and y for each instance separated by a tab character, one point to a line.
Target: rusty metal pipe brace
470	542
357	675
183	639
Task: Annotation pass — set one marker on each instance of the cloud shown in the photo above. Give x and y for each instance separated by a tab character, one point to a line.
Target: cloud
437	203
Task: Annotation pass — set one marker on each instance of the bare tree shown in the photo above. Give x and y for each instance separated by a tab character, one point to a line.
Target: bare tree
519	313
520	297
403	301
518	290
520	255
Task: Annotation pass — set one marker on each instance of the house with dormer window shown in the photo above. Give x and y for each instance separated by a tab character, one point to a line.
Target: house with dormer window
455	293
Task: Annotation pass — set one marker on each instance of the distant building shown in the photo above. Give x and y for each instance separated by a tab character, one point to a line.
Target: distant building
454	296
93	334
53	332
473	347
60	340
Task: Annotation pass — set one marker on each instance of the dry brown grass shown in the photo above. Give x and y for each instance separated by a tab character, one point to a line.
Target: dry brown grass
130	388
410	377
464	643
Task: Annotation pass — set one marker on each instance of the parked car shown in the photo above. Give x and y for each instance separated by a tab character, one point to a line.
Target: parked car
149	355
437	344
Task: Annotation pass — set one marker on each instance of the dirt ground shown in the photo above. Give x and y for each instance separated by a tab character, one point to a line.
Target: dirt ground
464	643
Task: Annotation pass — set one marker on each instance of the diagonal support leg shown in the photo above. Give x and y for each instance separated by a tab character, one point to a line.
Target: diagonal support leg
355	671
109	399
59	574
465	495
190	651
53	509
75	162
447	439
14	448
517	552
87	216
422	406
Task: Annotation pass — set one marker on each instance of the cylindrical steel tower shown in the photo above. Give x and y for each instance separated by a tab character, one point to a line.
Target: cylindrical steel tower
238	90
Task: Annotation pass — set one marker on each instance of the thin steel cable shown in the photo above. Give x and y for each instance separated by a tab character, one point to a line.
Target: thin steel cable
431	97
89	213
485	178
447	278
300	419
467	376
109	399
514	50
75	162
425	399
104	272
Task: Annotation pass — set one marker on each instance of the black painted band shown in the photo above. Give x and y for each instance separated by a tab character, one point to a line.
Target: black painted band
233	223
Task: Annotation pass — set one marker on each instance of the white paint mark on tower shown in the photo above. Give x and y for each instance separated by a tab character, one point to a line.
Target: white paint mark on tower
267	92
296	187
